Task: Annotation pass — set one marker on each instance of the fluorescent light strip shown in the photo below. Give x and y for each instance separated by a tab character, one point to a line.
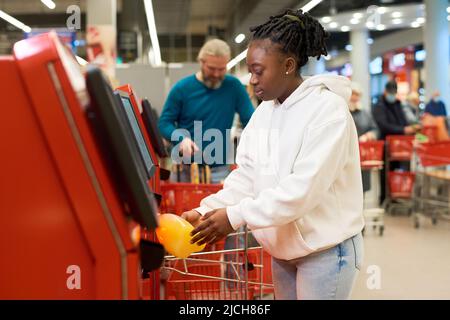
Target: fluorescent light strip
152	29
81	61
49	3
310	5
14	21
243	54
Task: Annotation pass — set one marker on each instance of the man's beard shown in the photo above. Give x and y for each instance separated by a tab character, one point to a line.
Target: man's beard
212	84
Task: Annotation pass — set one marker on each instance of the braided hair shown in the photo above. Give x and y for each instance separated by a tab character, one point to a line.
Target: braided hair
297	33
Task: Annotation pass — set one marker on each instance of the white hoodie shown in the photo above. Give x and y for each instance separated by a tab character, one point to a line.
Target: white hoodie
298	184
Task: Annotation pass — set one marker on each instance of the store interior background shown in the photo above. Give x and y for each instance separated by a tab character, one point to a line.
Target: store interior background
371	42
389	39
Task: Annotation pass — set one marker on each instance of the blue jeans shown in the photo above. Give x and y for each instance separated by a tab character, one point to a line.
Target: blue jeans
323	275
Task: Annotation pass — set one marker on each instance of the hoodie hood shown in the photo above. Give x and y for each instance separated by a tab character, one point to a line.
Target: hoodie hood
337	84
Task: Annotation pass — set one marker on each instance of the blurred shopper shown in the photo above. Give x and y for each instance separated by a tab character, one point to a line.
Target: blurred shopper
389	115
436	107
391	120
411	108
206	100
298	182
365	126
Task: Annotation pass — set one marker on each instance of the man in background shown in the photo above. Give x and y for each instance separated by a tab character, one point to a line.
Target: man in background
436	107
210	98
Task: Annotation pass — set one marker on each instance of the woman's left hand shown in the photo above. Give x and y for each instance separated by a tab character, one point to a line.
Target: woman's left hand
215	226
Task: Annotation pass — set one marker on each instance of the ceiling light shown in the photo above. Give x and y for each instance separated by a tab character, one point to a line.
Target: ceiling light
420	20
81	61
381	27
396	14
333	25
448	18
238	59
239	38
358	15
349	47
14	22
152	29
448	9
345	28
370	24
369	41
397	21
382	10
49	3
326	19
310	5
354	21
415	24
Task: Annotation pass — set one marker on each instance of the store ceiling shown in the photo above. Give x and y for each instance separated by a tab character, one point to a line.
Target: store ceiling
176	19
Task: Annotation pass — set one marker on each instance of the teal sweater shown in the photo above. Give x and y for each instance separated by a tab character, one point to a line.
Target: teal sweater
190	100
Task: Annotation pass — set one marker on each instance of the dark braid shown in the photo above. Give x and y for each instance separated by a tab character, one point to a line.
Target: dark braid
297	33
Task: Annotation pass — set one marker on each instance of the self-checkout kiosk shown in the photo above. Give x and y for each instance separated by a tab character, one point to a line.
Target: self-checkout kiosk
151	150
76	181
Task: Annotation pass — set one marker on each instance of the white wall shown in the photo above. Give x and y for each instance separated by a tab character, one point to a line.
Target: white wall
154	83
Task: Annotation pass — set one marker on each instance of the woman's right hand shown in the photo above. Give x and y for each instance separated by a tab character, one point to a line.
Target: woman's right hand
192	216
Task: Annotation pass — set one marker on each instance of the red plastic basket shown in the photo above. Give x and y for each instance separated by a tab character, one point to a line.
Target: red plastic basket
431	132
180	197
371	153
434	154
197	284
401	184
400	147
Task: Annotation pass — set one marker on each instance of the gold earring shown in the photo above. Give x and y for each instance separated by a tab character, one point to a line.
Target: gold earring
287	72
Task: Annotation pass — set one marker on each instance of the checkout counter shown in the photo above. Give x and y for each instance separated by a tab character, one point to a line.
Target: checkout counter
78	177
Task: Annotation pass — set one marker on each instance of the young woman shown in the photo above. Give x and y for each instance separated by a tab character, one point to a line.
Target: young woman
298	183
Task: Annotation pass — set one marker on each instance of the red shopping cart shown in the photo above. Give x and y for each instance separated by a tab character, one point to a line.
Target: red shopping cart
371	154
216	272
401	184
431	132
180	197
400	147
372	160
434	154
432	190
206	275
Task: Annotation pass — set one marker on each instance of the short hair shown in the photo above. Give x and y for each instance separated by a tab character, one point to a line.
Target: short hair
215	47
391	87
297	33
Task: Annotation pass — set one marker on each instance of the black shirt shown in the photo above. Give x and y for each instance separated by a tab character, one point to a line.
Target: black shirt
389	117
